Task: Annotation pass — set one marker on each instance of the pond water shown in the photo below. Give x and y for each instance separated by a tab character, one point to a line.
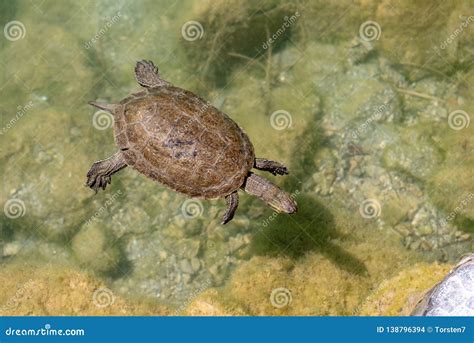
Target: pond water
368	104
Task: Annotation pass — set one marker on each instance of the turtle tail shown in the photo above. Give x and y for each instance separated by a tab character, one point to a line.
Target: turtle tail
103	106
271	194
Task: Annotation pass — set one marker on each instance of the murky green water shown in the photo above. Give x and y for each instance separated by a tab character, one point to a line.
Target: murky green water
368	104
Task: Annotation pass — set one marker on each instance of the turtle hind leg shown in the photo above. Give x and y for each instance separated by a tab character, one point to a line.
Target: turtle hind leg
270	166
101	171
147	75
232	203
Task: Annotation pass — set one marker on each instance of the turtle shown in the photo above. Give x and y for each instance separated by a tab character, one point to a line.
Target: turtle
173	136
453	296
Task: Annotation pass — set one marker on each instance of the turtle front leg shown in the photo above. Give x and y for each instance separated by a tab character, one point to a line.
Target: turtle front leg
232	203
270	166
101	171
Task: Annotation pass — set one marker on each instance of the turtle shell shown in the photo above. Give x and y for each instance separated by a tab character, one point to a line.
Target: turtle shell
173	136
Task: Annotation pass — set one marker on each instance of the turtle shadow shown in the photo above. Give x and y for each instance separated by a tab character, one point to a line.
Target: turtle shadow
312	228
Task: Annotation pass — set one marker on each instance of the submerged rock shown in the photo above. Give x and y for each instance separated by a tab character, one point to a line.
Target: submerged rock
454	295
96	249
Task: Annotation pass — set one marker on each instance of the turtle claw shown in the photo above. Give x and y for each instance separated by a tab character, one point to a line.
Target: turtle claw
96	180
279	170
100	174
271	166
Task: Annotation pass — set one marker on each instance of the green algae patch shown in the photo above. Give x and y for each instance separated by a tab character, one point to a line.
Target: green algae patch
318	282
399	295
28	290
